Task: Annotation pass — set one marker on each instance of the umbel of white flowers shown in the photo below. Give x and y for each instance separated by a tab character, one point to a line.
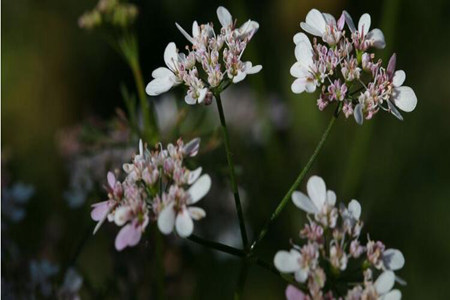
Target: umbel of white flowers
336	60
157	188
219	56
332	243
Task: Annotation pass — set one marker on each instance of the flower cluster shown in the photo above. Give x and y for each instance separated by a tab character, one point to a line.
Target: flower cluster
332	255
212	62
341	65
109	12
158	187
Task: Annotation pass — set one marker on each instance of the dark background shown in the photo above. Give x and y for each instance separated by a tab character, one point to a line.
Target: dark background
55	75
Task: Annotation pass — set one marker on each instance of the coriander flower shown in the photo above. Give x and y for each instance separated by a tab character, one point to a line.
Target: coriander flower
179	212
166	78
346	73
216	55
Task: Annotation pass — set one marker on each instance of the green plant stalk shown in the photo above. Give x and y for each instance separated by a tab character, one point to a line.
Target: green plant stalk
241	280
297	181
150	128
234	186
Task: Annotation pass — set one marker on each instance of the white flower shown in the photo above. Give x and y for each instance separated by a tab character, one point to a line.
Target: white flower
291	262
374	37
177	213
383	286
302	69
226	20
247	68
165	78
402	96
318	198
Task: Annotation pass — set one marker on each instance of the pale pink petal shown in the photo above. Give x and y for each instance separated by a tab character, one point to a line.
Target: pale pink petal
377	38
405	98
393	259
293	293
399	78
100	210
354	209
111	179
123	237
385	282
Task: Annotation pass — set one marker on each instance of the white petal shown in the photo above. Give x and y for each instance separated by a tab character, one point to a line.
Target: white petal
161	72
298	70
331	197
405	98
248	27
254	69
301	275
298	86
287	262
159	85
141	148
303	202
194	175
317	191
184	224
171	55
199	189
392	295
309	29
349	21
195	29
301	37
364	24
329	19
122	215
166	219
304	54
393	259
189	100
377	38
196	213
358	114
310	86
202	95
399	78
239	77
355	209
224	16
316	22
385	282
186	35
394	110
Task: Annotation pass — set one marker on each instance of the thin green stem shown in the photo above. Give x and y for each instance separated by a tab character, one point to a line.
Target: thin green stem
234	186
297	181
149	123
217	246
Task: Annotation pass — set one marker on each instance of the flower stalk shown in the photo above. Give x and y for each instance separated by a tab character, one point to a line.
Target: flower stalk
297	181
234	186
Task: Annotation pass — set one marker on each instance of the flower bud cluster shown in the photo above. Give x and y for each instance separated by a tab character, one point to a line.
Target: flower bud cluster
333	252
157	187
344	70
211	63
109	12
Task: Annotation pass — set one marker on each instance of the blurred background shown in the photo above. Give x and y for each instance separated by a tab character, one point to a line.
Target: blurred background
62	130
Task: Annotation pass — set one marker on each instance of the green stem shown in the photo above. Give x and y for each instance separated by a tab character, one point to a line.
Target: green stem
234	186
217	246
297	181
149	130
